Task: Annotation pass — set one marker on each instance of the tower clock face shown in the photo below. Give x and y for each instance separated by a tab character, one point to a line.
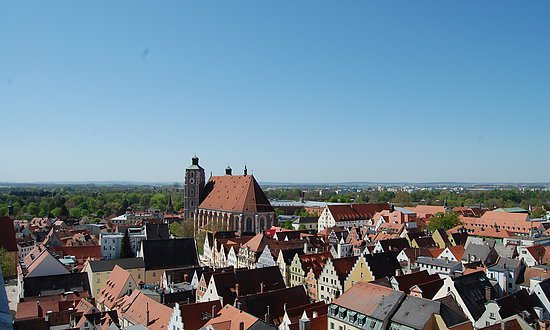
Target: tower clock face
191	181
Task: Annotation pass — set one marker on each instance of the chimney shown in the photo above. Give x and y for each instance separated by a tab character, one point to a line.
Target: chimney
228	170
488	293
398	272
10	211
213	311
245	170
267	316
304	323
241	326
39	309
237	289
261	287
147	314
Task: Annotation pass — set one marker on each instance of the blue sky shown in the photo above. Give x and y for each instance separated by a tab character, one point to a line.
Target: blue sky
301	91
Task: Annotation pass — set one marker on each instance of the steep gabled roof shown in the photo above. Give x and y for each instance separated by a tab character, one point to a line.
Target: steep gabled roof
381	300
134	309
230	318
258	304
108	265
383	264
429	289
115	286
7	234
472	289
169	253
250	281
407	281
343	267
193	315
515	303
394	244
235	193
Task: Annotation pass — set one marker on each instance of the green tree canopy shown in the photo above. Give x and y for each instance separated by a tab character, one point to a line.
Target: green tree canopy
444	221
8	264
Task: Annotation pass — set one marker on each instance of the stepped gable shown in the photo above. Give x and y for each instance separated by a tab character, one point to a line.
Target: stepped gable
235	193
343	267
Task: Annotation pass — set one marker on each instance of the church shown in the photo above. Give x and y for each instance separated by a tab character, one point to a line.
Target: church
229	202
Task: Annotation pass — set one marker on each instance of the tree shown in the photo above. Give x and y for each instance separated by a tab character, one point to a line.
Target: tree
183	229
444	221
538	213
7	262
56	212
126	247
287	225
123	207
64	214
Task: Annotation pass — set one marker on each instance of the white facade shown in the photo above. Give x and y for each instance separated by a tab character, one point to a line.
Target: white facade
326	220
110	243
447	255
437	266
266	258
528	258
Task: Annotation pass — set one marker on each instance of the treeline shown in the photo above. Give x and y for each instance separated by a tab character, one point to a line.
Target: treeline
95	202
485	198
88	202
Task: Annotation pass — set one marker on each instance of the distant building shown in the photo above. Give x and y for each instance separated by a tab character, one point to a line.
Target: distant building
349	215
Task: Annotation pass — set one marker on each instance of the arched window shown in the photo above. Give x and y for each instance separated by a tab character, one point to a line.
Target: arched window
248	224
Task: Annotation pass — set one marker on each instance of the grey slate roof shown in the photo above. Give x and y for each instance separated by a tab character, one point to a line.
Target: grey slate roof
415	312
109	265
506	251
437	262
502	262
471	289
481	252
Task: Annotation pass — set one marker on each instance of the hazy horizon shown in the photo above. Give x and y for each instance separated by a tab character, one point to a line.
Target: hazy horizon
298	91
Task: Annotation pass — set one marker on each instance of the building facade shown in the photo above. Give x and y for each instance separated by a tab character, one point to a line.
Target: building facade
193	188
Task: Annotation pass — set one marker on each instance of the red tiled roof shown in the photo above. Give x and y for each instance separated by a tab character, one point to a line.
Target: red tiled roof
235	193
352	212
114	287
134	308
192	314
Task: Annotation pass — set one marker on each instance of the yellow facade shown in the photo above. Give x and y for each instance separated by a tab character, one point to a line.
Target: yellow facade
296	273
359	273
439	240
98	279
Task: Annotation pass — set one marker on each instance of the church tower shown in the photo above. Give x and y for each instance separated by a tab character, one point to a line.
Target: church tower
194	187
